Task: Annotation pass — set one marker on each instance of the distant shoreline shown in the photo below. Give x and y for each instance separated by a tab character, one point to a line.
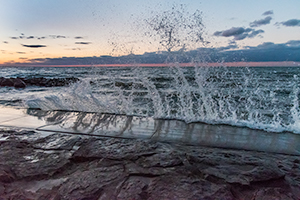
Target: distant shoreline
227	64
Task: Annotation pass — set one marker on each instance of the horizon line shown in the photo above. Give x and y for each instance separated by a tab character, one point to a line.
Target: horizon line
191	64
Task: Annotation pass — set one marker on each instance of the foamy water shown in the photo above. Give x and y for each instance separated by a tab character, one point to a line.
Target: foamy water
264	98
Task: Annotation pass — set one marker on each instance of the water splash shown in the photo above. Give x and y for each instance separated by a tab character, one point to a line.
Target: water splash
252	97
257	98
176	29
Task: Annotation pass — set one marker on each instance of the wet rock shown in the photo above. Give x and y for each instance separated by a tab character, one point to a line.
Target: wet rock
42	82
25	161
172	187
90	183
7	82
114	149
1	79
51	167
58	142
18	83
6	174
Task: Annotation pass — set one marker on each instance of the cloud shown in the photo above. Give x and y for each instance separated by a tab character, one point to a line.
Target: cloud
255	33
266	45
291	22
239	33
231	46
22	36
34	46
261	22
293	43
269	12
268	51
57	36
5	42
20	52
85	43
240	36
73	49
230	32
78	37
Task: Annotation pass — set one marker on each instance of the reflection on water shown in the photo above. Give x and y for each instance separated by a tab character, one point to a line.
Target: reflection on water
167	130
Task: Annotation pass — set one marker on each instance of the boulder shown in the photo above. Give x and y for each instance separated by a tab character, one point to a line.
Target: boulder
18	83
7	82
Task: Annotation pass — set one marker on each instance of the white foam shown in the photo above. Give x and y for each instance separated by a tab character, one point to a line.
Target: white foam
214	95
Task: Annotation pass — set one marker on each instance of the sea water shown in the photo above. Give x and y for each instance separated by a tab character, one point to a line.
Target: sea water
265	98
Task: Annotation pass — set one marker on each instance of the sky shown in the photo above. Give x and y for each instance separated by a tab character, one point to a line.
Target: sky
35	30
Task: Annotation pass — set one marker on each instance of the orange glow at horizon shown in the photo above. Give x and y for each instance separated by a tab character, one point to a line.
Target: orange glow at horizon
226	64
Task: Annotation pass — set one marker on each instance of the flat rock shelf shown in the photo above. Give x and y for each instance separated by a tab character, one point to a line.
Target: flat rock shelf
73	155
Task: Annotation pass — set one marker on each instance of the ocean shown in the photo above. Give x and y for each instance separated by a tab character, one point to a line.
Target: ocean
263	98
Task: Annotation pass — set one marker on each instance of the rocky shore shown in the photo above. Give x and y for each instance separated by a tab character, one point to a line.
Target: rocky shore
43	82
41	165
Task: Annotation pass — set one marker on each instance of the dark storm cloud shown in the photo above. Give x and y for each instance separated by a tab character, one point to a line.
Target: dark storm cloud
261	22
239	33
83	43
34	46
78	37
291	22
30	37
269	12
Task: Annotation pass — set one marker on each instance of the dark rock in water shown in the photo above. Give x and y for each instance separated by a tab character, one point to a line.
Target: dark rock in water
1	79
7	82
18	83
53	82
42	82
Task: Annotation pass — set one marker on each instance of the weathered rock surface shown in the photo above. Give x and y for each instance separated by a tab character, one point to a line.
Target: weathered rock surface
60	166
43	82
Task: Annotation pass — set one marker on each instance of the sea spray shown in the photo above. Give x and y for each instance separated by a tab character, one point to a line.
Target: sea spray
258	98
254	97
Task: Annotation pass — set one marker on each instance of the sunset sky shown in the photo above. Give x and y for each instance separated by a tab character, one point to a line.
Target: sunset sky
36	29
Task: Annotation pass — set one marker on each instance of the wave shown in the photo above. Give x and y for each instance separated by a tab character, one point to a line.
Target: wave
237	97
